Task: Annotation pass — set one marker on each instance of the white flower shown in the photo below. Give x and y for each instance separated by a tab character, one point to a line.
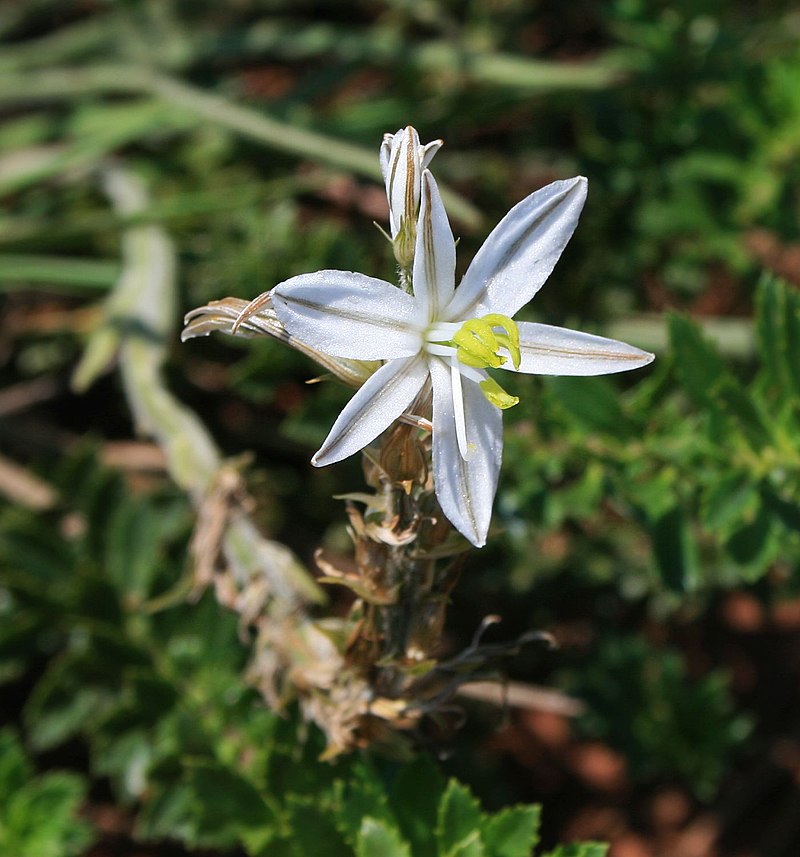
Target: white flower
403	158
444	338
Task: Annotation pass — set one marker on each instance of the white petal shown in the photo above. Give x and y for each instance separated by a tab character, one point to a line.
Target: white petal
521	251
428	151
435	253
373	408
349	315
385	153
548	350
465	489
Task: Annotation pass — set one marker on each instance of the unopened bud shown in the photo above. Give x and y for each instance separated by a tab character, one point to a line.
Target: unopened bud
403	159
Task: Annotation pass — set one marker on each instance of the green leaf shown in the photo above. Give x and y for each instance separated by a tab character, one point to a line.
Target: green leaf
293	764
414	798
312	830
770	312
361	795
579	849
512	832
698	363
126	759
594	403
755	543
674	550
778	328
641	702
40	819
711	385
55	714
786	511
168	813
745	412
132	545
36	553
459	823
658	495
38	815
792	336
57	272
14	766
727	501
377	839
227	807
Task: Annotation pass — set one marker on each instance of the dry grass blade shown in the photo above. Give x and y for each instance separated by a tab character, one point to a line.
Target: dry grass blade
21	486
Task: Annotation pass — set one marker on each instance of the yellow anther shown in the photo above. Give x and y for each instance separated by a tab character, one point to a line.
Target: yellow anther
478	345
497	395
508	340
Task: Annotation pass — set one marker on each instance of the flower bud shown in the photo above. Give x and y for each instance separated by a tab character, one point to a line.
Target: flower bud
403	159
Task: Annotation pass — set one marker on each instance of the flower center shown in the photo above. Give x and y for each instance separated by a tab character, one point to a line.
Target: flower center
479	345
470	346
476	343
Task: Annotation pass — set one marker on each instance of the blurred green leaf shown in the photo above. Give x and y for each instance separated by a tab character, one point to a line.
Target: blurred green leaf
312	830
512	832
416	809
458	823
674	550
579	849
593	403
377	839
226	808
640	701
754	544
358	797
38	814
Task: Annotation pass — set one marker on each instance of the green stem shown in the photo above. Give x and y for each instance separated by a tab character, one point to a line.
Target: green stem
58	83
387	47
141	319
66	43
55	271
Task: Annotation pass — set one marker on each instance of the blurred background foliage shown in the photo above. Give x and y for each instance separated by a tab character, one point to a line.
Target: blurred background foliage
650	523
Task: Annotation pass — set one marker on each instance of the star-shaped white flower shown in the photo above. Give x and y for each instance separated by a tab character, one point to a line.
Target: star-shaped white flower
442	338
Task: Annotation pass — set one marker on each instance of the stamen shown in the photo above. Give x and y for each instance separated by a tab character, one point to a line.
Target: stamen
497	395
466	449
508	340
470	373
478	345
440	350
442	332
476	342
468	347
